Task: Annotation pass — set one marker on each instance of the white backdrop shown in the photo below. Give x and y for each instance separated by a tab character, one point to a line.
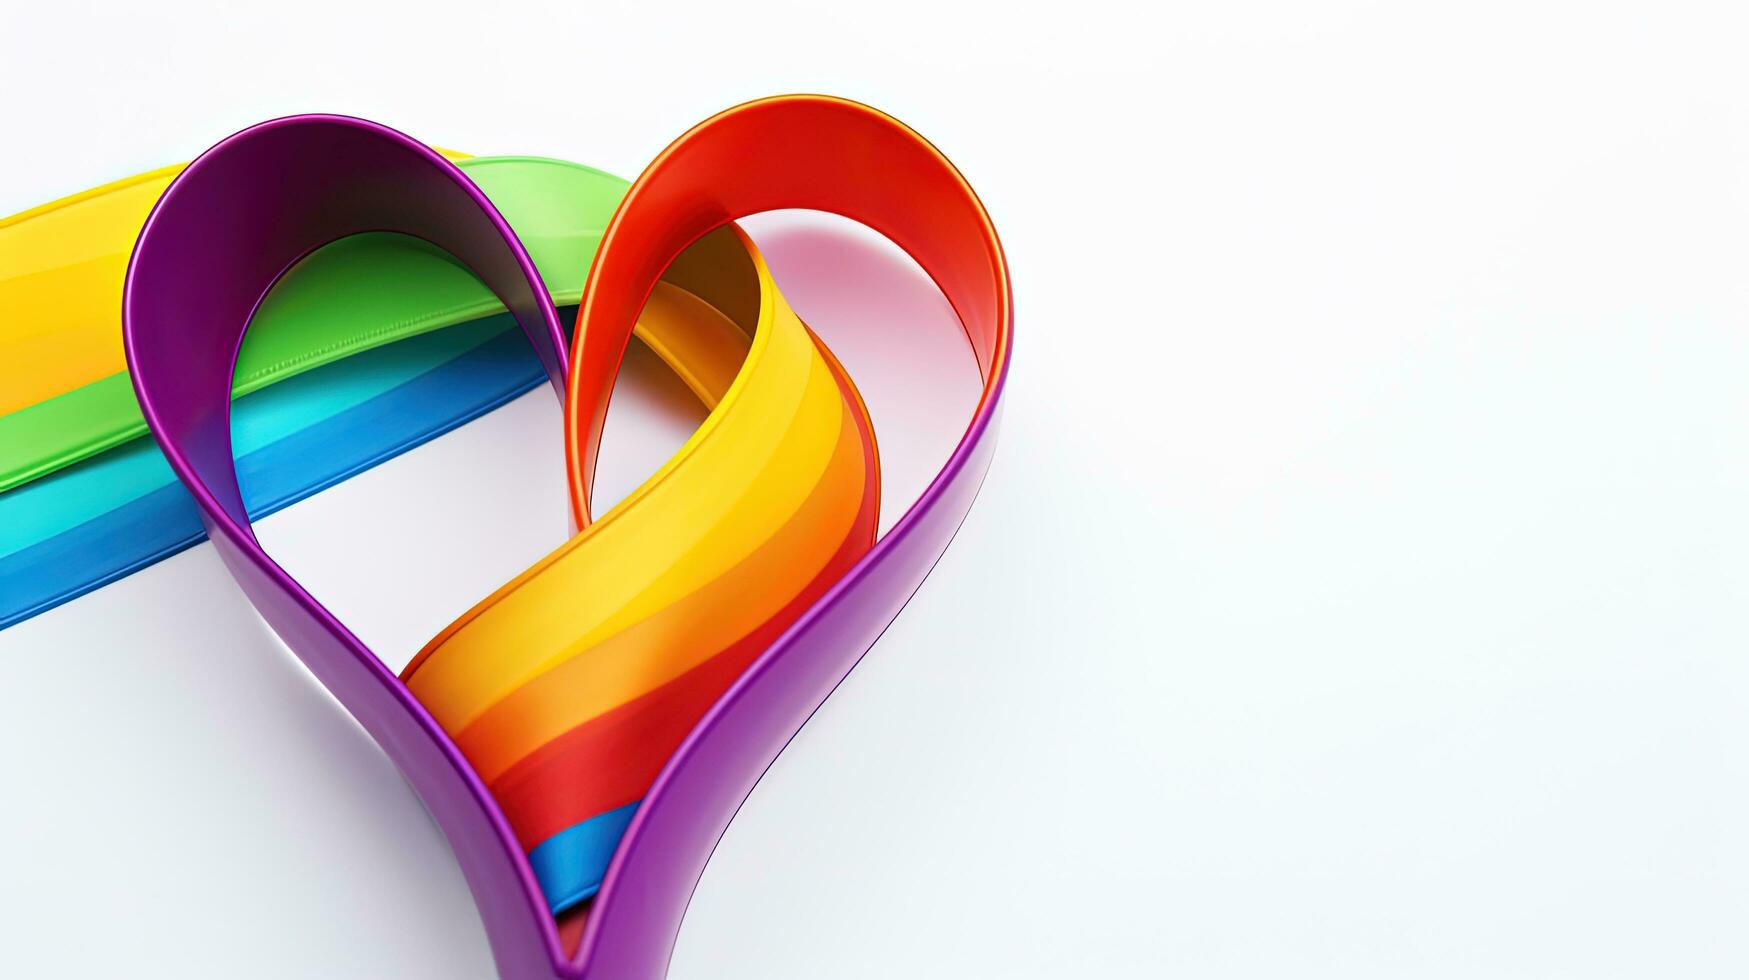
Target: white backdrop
1359	590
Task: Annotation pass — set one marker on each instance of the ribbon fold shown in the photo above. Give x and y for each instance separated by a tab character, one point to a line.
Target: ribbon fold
591	727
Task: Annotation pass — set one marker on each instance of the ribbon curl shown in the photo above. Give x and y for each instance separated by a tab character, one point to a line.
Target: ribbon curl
714	609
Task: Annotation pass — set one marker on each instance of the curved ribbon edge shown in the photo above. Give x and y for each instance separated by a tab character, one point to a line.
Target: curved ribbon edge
850	159
326	172
648	883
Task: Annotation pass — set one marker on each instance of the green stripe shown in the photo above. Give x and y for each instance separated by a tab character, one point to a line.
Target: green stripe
354	295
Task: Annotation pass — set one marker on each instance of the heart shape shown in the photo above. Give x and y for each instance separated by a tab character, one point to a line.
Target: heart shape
248	209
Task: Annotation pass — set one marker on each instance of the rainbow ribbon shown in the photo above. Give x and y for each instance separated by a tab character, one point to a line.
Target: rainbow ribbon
588	730
600	658
343	366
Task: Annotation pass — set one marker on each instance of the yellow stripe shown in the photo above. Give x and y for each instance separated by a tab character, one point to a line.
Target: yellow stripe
684	634
61	270
602	609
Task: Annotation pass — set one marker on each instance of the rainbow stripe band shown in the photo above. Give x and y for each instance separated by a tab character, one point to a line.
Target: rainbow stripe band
103	518
568	688
245	210
343	366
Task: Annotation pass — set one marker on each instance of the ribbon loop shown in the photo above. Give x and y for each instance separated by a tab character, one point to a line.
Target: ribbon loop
225	230
264	199
824	154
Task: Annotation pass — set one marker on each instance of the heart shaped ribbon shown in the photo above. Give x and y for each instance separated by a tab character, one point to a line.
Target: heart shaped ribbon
746	560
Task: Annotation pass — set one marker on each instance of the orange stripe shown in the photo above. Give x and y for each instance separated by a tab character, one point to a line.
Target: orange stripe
610	760
501	735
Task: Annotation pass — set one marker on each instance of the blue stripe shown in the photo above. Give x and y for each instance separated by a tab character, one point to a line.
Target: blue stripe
149	526
569	865
36	511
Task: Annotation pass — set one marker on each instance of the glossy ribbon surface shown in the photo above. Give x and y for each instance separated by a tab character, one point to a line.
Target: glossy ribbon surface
669	650
344	365
570	686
